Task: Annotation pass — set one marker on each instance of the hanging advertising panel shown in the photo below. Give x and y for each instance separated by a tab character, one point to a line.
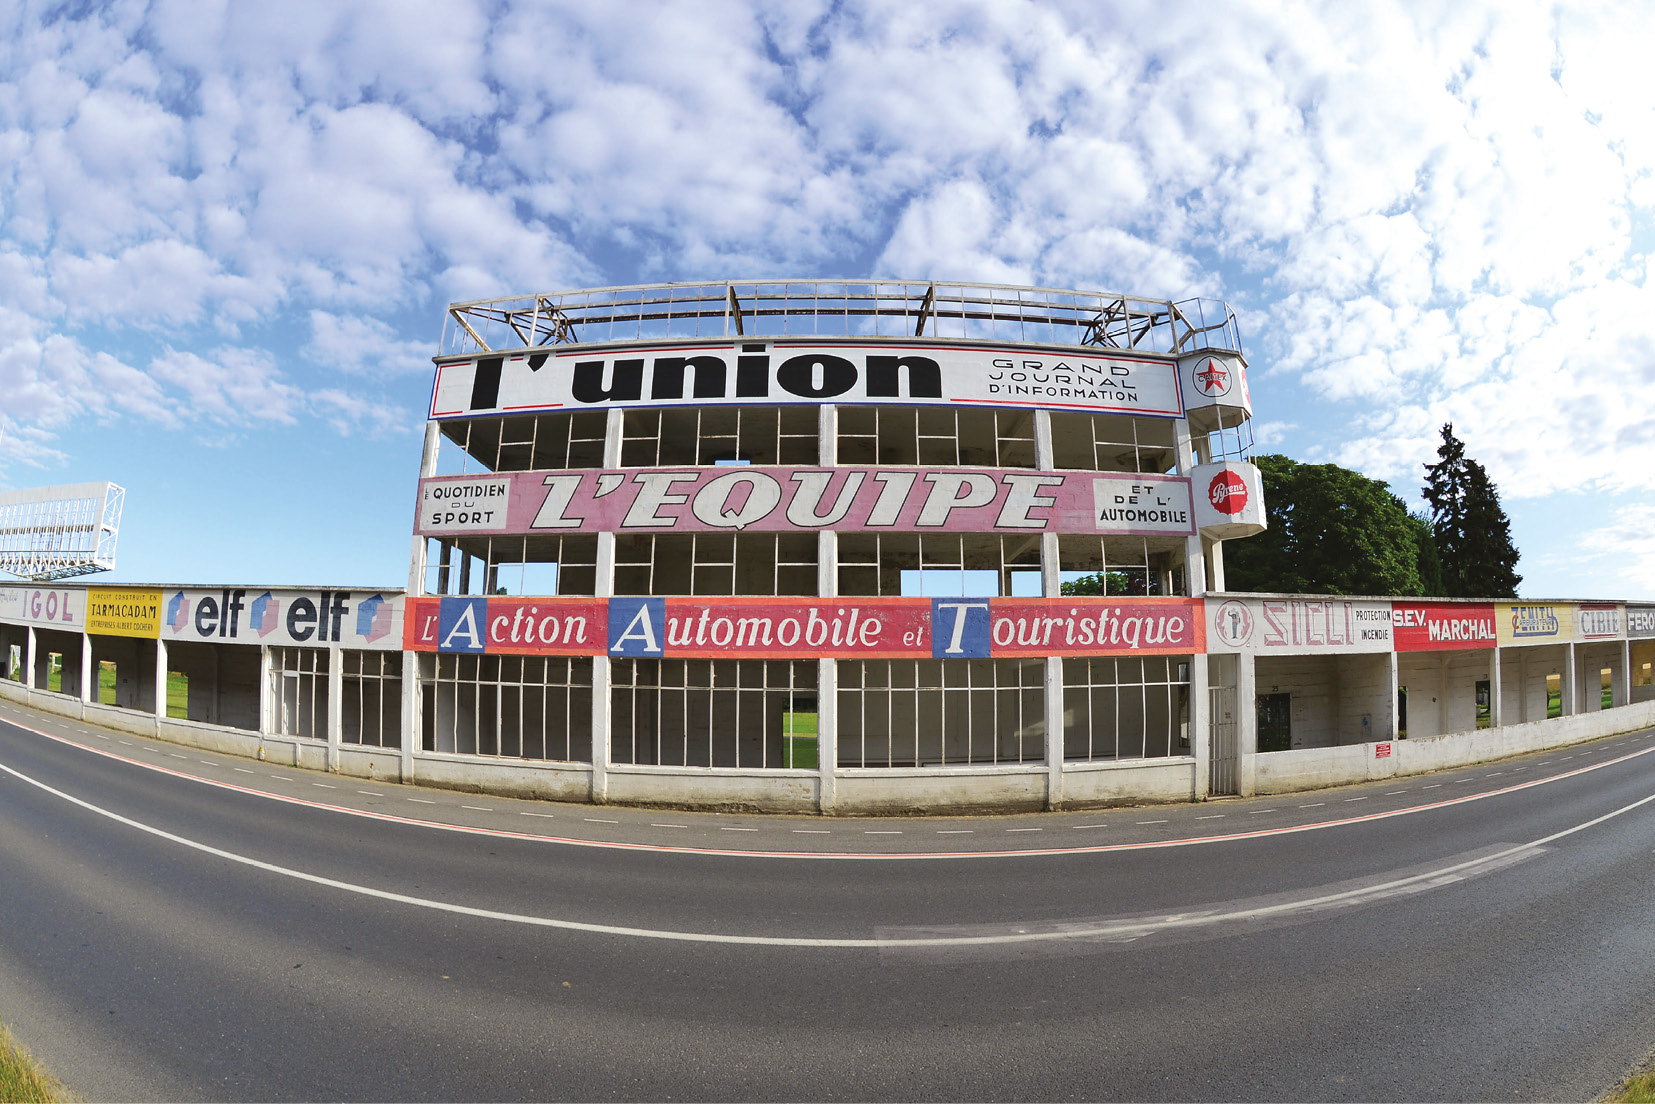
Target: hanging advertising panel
132	612
1442	626
43	606
1599	621
1298	626
802	628
782	499
1522	623
249	615
807	371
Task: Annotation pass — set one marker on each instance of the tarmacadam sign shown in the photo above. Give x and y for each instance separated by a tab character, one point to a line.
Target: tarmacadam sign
770	499
811	371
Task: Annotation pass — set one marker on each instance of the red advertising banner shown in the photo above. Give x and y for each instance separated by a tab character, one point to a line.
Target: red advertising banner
784	499
780	628
1442	626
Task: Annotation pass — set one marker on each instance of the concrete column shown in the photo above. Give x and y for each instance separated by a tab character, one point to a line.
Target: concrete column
160	680
1442	692
264	689
1213	552
1054	732
827	733
827	434
1051	565
600	729
336	705
412	720
613	427
1623	693
88	671
1200	726
427	468
1247	720
1494	710
1044	457
1195	565
1396	705
1570	686
30	651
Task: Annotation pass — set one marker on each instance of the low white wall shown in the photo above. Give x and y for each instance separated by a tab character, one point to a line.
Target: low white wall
1288	771
710	788
910	790
506	777
1130	783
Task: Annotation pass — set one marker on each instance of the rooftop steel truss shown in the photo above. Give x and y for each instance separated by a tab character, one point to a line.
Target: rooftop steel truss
50	533
840	308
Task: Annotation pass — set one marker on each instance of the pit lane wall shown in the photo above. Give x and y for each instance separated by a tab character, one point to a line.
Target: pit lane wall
1346	689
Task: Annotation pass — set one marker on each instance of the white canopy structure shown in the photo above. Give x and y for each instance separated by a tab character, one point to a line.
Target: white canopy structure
49	533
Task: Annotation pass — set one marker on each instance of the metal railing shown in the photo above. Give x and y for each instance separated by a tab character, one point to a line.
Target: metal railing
839	308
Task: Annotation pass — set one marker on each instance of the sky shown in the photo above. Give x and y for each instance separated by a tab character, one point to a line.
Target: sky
228	231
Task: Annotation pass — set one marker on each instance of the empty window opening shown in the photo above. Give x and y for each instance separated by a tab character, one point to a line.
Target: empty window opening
513	707
943	565
743	714
1113	442
720	435
522	443
371	699
1128	707
940	436
716	564
298	692
934	712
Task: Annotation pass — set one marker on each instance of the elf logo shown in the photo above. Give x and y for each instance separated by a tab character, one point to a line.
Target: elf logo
223	616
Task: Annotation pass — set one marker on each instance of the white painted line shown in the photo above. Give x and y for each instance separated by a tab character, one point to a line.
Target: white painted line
1025	829
955	831
1105	824
207	762
151	750
243	770
1393	793
1065	931
548	816
1150	822
1355	799
478	808
1313	805
100	735
422	801
738	829
669	825
596	820
1256	812
175	755
370	793
1496	774
1433	786
810	831
881	832
324	785
128	743
1211	816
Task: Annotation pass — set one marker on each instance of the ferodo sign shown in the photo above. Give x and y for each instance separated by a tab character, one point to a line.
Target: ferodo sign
770	499
1442	626
249	615
810	371
1640	622
804	628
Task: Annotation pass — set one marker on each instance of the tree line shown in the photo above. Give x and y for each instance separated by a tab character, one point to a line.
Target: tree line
1335	531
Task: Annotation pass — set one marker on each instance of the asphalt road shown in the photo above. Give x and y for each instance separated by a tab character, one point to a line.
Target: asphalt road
180	925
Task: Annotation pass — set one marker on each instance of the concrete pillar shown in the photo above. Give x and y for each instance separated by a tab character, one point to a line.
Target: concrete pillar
827	733
160	680
89	671
1623	693
1213	553
412	726
1200	726
336	705
1247	720
427	468
1494	711
1570	683
1396	699
1195	565
1442	692
1051	567
265	668
31	651
1054	732
1044	456
604	587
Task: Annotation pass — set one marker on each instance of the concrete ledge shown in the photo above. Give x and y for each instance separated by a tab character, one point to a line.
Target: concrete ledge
1316	768
712	788
1129	782
915	790
536	781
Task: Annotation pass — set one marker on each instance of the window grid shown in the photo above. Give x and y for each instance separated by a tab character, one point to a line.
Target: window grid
508	707
707	713
1113	442
719	434
299	692
522	442
371	699
941	436
941	712
716	564
1129	707
873	564
535	564
1130	566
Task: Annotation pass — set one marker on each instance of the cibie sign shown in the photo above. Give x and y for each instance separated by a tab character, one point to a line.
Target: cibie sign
814	371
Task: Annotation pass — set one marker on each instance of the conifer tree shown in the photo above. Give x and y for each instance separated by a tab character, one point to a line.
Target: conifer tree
1473	534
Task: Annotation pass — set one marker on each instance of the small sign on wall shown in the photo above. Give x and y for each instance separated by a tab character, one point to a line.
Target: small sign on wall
1382	751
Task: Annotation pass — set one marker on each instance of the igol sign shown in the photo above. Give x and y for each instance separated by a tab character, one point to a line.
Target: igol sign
799	371
775	499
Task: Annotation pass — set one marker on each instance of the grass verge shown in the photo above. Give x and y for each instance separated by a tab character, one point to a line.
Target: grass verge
1639	1088
23	1079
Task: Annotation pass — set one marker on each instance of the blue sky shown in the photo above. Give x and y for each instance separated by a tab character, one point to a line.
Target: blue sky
228	231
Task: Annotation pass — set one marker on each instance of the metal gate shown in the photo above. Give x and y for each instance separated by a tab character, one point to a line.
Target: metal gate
1225	743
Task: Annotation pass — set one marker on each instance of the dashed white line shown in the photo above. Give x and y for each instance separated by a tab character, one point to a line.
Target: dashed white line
1105	824
727	829
810	831
1256	812
175	755
596	820
669	825
207	762
1313	805
128	743
1433	786
1025	829
1393	793
1355	799
422	801
100	735
478	808
954	831
548	816
882	832
324	785
1211	816
1150	822
370	793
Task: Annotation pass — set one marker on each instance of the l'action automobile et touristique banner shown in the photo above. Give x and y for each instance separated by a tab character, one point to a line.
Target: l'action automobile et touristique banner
811	370
779	499
803	628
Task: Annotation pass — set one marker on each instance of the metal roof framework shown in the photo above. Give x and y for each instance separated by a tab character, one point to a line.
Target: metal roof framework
51	533
839	308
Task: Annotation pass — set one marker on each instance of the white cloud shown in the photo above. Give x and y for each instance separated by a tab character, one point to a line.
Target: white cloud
363	345
231	385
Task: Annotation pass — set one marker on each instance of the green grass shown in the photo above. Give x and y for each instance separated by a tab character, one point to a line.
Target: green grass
1639	1089
22	1078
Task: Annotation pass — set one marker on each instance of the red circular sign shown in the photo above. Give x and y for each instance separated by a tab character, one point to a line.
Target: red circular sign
1228	493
